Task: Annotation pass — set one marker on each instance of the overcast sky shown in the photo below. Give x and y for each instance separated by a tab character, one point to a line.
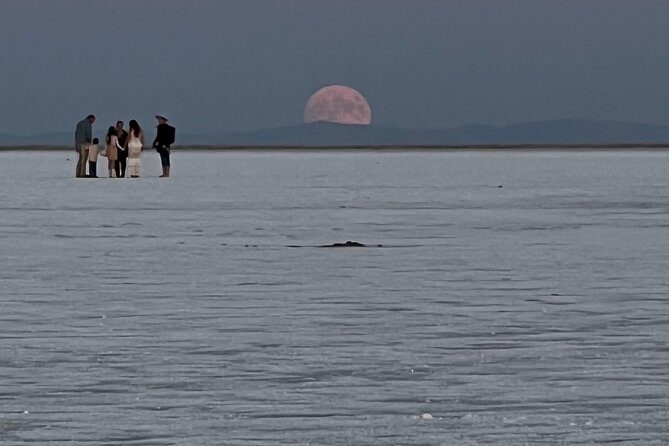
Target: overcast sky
222	65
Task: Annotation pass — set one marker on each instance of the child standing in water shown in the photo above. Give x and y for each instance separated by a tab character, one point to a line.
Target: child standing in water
134	144
112	150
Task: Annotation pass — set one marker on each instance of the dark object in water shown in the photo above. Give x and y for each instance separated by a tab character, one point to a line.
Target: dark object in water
344	245
347	244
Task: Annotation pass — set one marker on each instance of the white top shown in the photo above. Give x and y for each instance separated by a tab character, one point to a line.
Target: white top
92	152
134	146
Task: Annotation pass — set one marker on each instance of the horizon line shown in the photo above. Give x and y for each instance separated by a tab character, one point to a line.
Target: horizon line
390	126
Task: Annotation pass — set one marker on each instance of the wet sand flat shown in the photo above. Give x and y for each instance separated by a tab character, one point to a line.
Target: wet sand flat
505	298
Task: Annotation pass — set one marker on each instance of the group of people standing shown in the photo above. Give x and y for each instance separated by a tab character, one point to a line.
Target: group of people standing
123	148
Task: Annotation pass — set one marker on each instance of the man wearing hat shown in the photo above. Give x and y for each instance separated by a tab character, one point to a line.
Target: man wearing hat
164	138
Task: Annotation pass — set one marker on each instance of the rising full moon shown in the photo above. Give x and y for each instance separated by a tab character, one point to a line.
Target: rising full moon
339	104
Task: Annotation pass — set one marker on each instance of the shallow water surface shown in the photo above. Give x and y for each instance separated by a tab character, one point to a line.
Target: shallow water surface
502	298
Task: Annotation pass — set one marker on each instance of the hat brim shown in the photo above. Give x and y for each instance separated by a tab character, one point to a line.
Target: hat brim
161	117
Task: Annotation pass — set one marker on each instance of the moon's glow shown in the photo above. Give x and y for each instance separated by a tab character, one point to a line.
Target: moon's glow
340	104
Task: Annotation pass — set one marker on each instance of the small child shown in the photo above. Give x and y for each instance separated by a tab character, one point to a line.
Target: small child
93	158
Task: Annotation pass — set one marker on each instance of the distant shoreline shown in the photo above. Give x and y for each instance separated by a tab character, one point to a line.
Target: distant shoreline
369	148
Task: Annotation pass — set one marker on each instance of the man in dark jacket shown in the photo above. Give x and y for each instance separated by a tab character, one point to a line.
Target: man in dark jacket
121	162
164	138
83	135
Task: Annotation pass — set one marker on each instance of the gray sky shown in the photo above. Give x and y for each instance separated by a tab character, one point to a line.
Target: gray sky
222	65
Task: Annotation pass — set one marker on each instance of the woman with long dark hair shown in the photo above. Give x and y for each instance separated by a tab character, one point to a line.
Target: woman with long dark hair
134	144
112	149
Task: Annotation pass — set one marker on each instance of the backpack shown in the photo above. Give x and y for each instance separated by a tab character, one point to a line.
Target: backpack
170	133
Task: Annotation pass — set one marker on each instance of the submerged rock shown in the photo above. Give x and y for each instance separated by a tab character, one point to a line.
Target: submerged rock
344	245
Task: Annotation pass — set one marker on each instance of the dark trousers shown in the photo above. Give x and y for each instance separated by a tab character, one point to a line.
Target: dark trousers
92	169
119	167
164	157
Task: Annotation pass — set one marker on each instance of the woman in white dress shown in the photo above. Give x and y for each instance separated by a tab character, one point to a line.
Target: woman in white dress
134	144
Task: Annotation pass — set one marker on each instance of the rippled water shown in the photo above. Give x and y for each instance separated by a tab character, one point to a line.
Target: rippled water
515	298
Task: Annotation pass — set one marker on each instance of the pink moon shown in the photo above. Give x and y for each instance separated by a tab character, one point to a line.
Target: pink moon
339	104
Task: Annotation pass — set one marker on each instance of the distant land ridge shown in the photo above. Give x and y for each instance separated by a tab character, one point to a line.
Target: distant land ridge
561	131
